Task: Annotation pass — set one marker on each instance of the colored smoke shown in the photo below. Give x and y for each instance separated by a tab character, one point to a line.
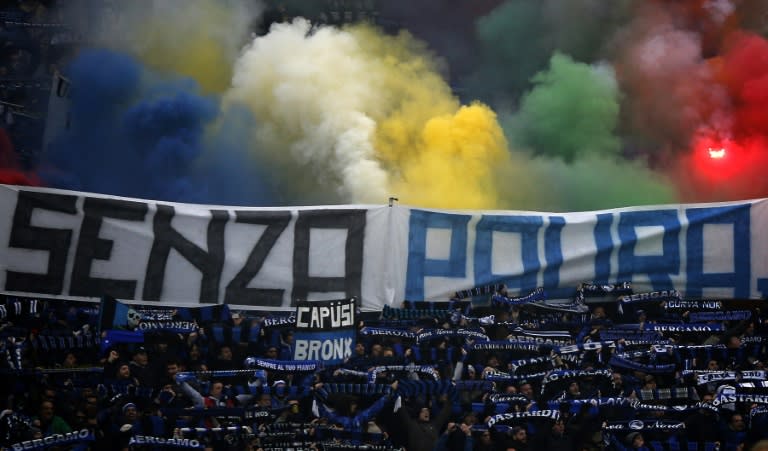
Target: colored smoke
603	104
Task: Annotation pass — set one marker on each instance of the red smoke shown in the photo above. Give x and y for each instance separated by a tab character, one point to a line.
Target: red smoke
10	169
742	70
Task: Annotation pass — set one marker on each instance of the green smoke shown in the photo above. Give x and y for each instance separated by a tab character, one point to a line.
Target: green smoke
593	183
517	39
573	110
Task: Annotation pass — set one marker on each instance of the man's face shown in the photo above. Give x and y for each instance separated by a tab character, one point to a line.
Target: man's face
424	414
46	410
131	413
141	358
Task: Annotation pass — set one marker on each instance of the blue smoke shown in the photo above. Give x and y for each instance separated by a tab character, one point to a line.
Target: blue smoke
133	133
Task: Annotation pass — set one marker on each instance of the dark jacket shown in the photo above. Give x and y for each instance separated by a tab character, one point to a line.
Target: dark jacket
423	435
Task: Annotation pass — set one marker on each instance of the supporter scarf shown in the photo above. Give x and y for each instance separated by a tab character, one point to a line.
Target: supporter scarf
411	313
479	291
148	440
240	389
574	374
349	372
576	405
536	295
680	304
687	328
457	318
509	346
581	347
621	362
517	378
589	289
751	398
52	343
423	369
451	333
12	347
644	425
387	332
540	340
660	342
733	315
70	438
629	334
176	327
753	385
543	336
515	365
653	296
511	417
19	308
357	389
336	446
758	410
688	348
562	307
223	373
288	366
668	393
478	385
705	377
279	321
513	398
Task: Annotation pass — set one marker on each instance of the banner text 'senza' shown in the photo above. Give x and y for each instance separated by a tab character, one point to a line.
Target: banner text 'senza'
64	243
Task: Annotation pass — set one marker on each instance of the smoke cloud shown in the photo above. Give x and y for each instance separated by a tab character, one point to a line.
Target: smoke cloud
603	104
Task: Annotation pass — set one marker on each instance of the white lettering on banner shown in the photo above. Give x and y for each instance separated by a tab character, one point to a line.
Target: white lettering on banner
333	349
335	316
54	439
67	244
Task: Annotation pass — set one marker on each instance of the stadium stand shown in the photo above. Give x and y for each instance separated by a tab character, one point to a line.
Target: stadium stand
612	370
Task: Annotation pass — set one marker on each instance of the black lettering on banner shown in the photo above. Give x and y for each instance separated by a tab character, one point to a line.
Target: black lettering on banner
237	290
26	236
210	263
351	282
90	247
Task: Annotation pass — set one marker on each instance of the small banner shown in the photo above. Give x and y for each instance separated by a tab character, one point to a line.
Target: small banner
325	330
116	315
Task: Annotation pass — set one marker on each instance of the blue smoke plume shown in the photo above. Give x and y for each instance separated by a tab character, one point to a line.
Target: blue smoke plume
134	133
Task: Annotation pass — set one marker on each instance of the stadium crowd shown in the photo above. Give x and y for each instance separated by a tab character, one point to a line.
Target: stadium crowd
610	369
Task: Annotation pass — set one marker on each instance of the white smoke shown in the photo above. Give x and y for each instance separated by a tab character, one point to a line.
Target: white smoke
309	90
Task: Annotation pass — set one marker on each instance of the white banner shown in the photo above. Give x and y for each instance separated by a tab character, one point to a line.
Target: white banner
56	243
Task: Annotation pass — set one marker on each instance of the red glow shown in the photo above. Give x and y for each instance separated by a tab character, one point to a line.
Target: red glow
705	176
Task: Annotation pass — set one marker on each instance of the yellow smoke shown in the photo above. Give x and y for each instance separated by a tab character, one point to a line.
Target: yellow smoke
363	116
199	39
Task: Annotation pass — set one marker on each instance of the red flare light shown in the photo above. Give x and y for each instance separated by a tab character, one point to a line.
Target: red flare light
716	154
